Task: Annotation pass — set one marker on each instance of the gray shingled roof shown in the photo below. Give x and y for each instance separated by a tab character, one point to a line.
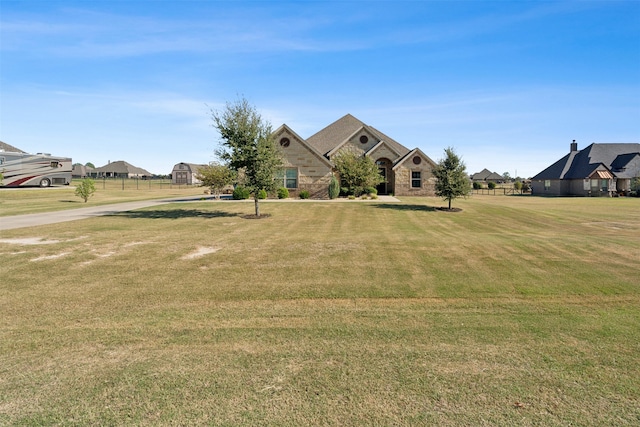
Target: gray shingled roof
10	148
122	167
485	174
581	164
337	132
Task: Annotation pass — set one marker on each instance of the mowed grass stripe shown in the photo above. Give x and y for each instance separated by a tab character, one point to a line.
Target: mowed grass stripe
515	311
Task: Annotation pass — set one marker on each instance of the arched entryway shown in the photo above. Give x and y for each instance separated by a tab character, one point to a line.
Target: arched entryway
384	167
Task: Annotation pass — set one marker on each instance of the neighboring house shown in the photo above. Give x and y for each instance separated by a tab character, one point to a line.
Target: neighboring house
10	148
81	171
486	176
185	173
309	163
597	170
120	169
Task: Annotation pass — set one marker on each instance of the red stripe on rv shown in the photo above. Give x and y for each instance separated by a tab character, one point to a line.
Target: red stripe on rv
20	181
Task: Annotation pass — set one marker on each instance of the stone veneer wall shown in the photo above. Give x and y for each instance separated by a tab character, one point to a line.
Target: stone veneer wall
313	173
403	182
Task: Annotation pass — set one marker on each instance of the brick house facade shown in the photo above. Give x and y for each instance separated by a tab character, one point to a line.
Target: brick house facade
308	162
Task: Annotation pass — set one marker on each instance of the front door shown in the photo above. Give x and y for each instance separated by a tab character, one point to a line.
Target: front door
383	168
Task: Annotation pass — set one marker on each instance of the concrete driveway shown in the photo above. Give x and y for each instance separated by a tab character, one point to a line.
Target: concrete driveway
44	218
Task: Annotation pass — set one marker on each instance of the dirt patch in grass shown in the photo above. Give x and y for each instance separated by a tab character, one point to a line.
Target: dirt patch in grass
201	251
47	257
254	216
443	209
29	241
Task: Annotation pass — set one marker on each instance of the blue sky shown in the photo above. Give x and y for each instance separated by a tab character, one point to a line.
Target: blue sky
508	84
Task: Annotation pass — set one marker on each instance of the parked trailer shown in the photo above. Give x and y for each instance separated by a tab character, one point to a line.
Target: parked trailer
43	170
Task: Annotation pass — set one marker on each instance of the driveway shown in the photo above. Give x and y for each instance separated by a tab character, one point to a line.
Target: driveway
44	218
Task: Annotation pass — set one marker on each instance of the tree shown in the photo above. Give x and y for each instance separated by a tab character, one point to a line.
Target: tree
506	176
357	172
452	180
90	165
85	189
216	177
247	145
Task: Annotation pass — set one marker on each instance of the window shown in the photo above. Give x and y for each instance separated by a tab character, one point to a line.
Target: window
364	139
547	184
416	179
1	160
54	164
288	177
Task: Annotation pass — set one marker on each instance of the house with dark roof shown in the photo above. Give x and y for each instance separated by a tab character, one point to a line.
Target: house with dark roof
597	170
309	163
10	148
185	173
119	169
486	176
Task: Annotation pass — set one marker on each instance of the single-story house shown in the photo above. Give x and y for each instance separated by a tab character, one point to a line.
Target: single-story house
597	170
486	176
309	163
185	173
120	169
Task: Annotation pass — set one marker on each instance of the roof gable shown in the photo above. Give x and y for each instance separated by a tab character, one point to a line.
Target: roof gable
416	152
380	145
284	129
329	140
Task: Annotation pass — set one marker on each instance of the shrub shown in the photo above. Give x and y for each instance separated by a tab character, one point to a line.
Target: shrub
304	194
517	185
352	197
491	185
371	190
334	188
283	193
374	196
240	193
262	194
477	186
85	189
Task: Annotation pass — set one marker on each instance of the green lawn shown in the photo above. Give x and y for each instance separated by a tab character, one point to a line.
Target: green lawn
515	311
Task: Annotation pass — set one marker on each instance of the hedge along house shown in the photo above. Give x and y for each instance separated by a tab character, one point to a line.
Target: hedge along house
597	170
185	173
309	166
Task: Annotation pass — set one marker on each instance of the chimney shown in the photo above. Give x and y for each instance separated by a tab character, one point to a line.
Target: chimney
574	146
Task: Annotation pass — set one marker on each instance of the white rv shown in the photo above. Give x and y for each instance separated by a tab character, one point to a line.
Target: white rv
43	170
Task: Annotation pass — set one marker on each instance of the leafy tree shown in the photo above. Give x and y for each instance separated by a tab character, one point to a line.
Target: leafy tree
357	172
247	145
90	165
85	189
517	185
491	185
452	180
506	176
216	177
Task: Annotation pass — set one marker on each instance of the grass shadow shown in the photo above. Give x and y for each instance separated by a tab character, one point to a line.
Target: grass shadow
403	207
173	214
